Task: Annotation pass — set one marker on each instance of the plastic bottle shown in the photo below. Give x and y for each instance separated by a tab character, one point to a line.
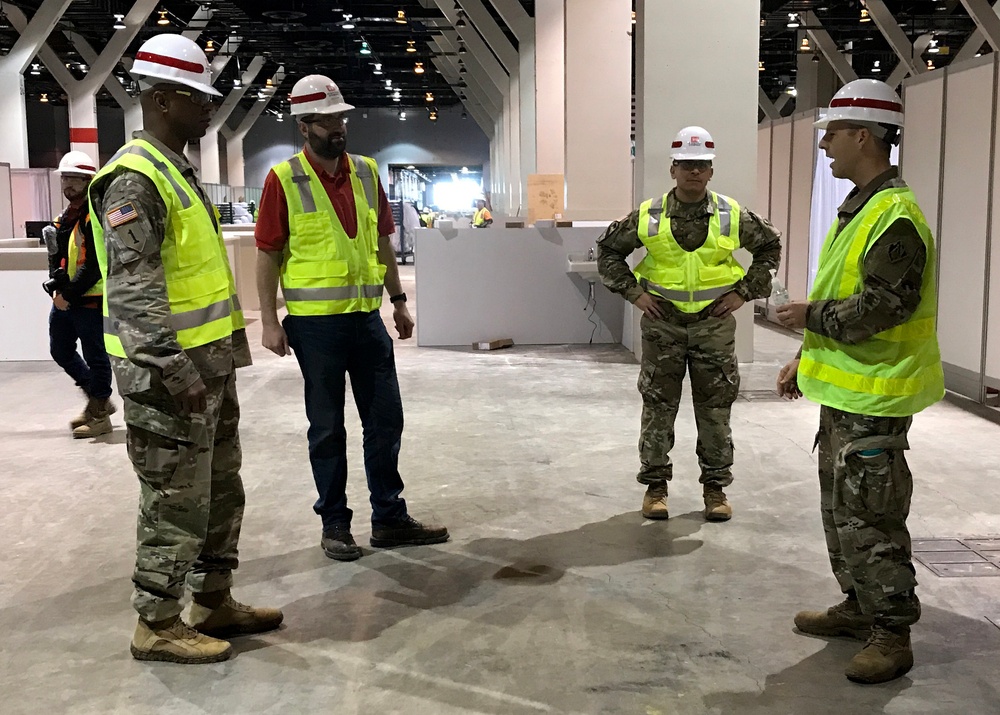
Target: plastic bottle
779	294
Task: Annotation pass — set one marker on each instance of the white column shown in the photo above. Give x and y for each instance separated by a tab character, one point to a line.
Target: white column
686	76
83	123
210	171
550	87
236	168
599	107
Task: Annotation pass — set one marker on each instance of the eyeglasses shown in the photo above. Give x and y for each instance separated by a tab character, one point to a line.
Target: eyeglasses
693	164
201	99
328	121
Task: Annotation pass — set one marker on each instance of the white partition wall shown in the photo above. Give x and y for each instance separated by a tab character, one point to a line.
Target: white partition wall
796	238
6	204
991	369
781	164
763	205
921	149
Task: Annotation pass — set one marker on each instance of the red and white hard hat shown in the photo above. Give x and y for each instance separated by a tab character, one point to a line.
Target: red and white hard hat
174	59
77	162
692	143
864	100
316	94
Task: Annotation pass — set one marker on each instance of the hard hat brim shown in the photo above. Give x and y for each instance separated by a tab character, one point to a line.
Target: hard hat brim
335	109
74	170
153	79
692	157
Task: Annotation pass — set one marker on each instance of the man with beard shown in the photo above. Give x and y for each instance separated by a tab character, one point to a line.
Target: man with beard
323	228
76	288
176	334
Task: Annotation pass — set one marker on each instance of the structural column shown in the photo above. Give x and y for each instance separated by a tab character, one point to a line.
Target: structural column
83	123
550	87
599	106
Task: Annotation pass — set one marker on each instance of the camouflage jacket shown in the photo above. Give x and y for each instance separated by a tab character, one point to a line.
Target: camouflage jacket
892	274
689	225
137	288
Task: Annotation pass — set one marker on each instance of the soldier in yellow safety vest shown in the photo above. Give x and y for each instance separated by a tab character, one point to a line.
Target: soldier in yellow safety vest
688	286
174	327
482	218
870	358
76	288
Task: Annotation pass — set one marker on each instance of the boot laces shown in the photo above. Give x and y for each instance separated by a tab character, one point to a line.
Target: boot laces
235	605
847	607
715	497
883	639
183	631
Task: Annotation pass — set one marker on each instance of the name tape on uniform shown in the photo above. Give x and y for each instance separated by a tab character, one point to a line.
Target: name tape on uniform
122	214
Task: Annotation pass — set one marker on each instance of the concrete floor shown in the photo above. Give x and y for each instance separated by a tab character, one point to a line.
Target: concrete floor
554	596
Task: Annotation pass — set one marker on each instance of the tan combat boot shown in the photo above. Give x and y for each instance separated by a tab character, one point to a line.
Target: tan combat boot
886	656
230	617
716	506
844	619
172	641
654	502
92	408
97	419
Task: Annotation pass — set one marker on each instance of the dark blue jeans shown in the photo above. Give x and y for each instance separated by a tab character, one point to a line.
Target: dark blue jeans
92	372
357	344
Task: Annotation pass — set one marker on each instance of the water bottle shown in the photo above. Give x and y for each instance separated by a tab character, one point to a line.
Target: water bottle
779	294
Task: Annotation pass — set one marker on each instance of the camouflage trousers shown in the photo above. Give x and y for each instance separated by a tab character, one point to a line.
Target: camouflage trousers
704	347
191	495
865	488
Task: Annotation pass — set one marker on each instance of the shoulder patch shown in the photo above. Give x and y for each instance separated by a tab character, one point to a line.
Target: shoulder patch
122	214
897	252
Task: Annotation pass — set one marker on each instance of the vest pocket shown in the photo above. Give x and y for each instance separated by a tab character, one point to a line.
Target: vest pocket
310	237
318	270
193	247
715	276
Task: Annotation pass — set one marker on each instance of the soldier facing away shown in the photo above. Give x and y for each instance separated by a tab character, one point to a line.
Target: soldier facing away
176	336
870	358
688	287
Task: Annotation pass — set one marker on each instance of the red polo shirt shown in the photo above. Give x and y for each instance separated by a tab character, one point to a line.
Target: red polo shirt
272	231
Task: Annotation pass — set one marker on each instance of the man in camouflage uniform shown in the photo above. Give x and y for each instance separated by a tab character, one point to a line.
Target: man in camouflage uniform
871	359
181	407
680	334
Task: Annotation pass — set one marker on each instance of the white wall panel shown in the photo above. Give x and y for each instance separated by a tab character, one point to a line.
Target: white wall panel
963	220
763	203
781	153
796	239
920	150
993	325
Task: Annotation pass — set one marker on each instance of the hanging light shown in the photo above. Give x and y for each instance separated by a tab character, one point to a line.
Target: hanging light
410	46
36	69
163	18
388	83
792	91
876	66
210	46
396	96
401	17
461	70
760	65
402	115
119	22
365	49
461	19
348	22
237	83
930	64
804	47
433	116
633	17
44	98
418	68
429	97
461	48
269	84
933	47
865	17
281	117
793	20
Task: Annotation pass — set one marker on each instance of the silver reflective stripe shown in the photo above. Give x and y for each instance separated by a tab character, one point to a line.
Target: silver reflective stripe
725	215
306	294
202	316
655	209
119	154
371	291
236	302
165	170
364	173
301	179
683	295
109	327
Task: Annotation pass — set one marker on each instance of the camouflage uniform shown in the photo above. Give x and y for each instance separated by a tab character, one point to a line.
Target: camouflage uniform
865	483
191	494
694	342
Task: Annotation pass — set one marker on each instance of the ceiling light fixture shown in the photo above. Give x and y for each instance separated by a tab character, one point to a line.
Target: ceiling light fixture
433	116
401	17
933	47
930	64
792	91
760	65
418	68
36	69
461	19
429	97
281	117
365	49
348	24
237	83
793	20
461	48
163	18
210	46
44	98
410	46
119	22
378	68
804	47
402	115
388	83
865	17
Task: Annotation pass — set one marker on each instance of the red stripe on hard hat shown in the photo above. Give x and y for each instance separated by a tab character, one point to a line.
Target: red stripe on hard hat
867	104
171	62
309	97
86	167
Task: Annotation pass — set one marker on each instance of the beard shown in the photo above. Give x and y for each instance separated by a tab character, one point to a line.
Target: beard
328	147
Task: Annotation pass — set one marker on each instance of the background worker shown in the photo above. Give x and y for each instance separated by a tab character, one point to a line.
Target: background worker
482	218
688	287
77	291
870	357
176	334
324	228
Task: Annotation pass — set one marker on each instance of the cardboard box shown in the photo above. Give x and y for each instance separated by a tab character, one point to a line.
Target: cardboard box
493	344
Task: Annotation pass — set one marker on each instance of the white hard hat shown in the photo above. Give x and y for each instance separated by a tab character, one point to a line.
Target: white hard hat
864	101
77	162
692	143
174	59
316	94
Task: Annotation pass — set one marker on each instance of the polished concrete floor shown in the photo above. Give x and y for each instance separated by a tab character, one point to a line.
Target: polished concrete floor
554	596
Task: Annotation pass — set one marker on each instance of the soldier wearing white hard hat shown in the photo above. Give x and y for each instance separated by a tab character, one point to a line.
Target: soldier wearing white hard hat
176	335
870	358
76	289
688	287
323	230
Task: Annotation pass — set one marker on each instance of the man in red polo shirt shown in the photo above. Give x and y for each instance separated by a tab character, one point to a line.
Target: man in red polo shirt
323	229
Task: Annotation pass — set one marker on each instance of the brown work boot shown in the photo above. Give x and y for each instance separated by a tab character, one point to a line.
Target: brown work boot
654	502
95	427
94	408
886	656
230	617
844	619
407	532
173	641
716	506
338	544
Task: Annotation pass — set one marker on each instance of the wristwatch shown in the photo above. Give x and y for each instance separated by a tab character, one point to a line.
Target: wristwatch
397	298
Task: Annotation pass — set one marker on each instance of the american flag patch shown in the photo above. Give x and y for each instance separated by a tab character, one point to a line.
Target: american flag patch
122	214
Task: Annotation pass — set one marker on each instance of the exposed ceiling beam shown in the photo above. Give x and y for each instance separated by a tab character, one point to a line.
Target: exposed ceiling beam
828	47
895	36
766	105
516	18
972	46
491	32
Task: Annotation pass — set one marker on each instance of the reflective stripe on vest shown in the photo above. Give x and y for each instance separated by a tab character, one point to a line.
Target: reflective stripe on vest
324	271
199	283
691	280
897	372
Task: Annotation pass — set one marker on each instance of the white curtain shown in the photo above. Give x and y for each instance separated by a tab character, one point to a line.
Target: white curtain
828	193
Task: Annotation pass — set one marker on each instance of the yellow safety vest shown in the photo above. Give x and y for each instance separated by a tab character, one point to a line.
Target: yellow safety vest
200	287
897	372
77	255
690	280
481	216
324	271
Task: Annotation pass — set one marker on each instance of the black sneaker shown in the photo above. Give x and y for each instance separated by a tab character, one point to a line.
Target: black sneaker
340	545
407	532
